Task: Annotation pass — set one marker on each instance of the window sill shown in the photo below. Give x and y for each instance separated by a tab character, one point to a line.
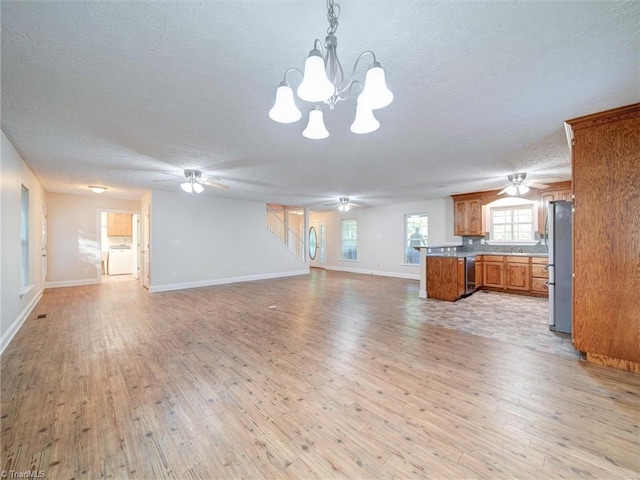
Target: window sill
348	260
25	290
410	264
512	243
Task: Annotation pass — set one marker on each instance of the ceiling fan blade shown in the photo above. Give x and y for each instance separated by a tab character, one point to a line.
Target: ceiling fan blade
330	204
540	186
167	180
354	204
216	185
504	190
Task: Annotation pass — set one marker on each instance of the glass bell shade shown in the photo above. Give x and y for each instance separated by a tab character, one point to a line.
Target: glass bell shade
512	190
284	109
375	93
187	187
315	128
522	189
364	122
315	86
198	188
344	208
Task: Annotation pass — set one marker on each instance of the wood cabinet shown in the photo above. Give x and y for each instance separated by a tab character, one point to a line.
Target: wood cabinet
517	273
445	278
539	276
119	224
514	274
556	191
467	215
606	221
493	269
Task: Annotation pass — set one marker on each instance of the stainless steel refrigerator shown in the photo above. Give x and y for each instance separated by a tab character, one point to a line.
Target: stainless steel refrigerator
560	221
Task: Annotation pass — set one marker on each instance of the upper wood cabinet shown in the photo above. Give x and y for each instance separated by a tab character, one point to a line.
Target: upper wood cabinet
606	222
467	215
119	224
556	191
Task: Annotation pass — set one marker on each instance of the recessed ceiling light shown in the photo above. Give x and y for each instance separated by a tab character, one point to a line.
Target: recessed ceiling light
97	188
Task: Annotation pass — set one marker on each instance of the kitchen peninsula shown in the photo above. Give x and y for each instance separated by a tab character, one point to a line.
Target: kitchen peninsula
451	275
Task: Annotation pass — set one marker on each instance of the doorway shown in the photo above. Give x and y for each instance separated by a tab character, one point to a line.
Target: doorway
119	246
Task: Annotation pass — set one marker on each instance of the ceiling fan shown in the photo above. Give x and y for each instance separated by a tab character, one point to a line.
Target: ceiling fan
194	180
344	205
518	185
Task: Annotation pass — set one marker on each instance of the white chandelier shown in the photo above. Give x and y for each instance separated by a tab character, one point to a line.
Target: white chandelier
323	81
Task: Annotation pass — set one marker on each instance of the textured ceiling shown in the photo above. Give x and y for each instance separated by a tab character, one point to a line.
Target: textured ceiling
116	93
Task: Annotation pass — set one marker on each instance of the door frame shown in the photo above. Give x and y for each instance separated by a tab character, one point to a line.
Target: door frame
134	241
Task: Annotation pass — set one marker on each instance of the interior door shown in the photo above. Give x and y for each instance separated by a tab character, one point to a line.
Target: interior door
317	247
145	225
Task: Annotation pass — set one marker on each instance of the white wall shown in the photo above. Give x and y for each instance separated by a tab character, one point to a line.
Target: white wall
15	308
74	236
200	240
381	236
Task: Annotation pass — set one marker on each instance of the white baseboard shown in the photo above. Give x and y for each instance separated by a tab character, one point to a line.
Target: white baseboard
72	283
407	276
223	281
17	323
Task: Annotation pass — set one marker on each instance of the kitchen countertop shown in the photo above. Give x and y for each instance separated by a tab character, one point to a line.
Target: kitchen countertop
477	254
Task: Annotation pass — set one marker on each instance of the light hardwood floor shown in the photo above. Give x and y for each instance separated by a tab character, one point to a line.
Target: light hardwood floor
331	375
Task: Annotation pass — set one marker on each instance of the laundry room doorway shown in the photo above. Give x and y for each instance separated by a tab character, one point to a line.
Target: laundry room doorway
119	245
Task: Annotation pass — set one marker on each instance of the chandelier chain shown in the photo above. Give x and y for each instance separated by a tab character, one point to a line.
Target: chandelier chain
333	12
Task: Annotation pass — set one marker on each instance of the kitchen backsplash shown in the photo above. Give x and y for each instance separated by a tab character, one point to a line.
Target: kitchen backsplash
476	245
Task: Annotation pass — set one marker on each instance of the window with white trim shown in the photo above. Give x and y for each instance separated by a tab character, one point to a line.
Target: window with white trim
349	239
24	236
415	235
512	223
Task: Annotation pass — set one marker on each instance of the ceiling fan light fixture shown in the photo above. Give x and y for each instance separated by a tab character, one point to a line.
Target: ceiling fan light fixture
522	189
315	128
344	208
512	190
187	187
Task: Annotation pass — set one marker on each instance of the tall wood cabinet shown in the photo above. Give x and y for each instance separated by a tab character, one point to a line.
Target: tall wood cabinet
606	238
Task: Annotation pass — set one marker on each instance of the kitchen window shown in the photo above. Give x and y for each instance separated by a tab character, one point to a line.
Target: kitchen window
512	223
415	235
349	239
